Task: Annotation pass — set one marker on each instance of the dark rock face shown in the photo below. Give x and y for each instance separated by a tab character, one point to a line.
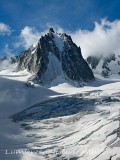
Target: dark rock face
55	55
109	65
93	61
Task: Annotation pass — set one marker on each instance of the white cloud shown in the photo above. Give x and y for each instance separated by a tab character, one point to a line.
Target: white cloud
103	40
28	36
7	51
4	29
6	64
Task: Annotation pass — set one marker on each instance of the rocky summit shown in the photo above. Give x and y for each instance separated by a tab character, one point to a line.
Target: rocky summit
55	55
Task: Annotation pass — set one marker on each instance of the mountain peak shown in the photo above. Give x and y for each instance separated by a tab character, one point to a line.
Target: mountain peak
51	30
55	56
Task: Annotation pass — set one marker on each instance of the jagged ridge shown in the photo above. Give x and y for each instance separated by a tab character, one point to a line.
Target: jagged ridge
55	55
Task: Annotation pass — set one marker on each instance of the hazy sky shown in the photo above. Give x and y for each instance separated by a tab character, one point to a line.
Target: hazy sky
22	21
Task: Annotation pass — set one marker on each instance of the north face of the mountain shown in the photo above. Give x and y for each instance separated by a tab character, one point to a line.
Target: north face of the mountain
55	55
106	66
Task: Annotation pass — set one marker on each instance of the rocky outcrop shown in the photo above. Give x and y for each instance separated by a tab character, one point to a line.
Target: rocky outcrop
55	55
105	66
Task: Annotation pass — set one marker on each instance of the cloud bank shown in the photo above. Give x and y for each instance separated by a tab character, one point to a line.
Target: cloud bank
104	39
4	29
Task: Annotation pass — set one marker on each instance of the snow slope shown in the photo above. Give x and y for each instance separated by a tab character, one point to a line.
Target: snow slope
61	122
14	97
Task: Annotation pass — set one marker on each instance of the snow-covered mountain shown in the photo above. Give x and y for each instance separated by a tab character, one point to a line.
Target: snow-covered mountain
106	66
55	55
